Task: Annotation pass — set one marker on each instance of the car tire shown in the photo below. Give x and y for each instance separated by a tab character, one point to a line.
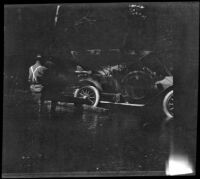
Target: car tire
168	104
89	92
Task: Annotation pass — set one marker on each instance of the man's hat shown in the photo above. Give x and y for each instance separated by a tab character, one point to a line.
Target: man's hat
39	56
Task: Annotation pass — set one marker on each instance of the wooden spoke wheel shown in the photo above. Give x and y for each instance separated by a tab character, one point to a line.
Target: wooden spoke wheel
168	104
90	93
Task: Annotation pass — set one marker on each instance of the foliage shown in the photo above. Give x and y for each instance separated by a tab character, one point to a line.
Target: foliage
129	26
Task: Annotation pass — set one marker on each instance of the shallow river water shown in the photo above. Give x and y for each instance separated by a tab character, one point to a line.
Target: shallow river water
76	140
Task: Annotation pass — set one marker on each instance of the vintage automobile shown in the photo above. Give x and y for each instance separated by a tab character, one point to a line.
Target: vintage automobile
139	82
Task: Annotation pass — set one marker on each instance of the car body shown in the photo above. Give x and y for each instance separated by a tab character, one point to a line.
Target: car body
126	85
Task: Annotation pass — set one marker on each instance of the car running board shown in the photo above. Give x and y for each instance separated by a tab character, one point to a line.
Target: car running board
126	104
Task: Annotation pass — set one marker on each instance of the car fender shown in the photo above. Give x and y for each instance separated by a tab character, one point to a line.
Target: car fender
159	97
90	81
165	91
166	82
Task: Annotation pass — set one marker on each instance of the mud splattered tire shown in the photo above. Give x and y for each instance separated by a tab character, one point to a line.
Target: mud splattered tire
168	104
88	92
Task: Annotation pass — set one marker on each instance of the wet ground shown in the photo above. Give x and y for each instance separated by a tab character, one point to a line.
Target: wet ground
75	140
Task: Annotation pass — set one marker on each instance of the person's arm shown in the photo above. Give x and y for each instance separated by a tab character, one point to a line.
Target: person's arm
30	75
45	76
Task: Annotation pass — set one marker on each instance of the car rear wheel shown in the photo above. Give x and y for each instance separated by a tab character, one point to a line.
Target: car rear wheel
137	84
90	93
168	104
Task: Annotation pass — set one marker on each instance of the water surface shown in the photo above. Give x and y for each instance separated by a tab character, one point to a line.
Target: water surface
74	140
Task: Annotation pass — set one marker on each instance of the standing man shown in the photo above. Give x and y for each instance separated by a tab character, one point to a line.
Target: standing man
51	90
38	80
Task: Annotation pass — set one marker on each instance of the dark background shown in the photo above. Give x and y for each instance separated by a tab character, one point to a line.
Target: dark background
31	29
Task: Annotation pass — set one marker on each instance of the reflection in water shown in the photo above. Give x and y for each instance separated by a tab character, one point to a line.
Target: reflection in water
79	140
91	121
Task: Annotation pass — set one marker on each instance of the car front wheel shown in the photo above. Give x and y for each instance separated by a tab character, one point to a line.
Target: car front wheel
89	93
168	104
